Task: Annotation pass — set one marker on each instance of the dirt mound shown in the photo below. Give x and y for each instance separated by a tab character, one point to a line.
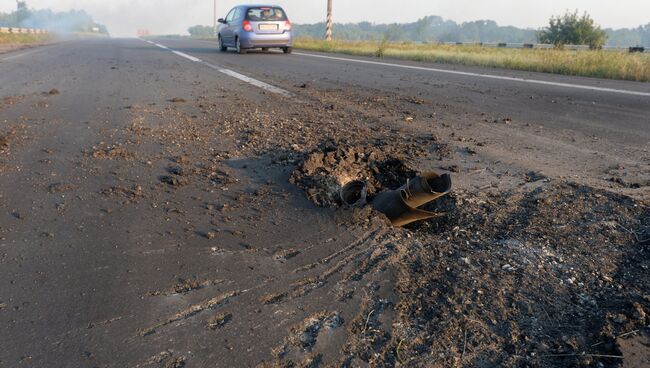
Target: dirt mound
553	275
326	170
550	276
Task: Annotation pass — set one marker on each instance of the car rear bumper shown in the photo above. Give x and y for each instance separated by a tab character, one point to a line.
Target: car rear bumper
251	40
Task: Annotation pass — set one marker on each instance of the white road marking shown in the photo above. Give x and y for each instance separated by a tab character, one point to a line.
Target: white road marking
234	74
249	80
490	76
188	57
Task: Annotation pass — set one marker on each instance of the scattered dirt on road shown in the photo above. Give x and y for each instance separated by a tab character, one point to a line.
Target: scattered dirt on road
10	101
111	152
526	268
532	271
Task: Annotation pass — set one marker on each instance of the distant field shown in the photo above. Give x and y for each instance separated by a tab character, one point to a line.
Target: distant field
24	38
599	64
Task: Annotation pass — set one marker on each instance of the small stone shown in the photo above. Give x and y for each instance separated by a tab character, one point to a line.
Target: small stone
639	314
211	235
607	278
176	170
620	318
173	180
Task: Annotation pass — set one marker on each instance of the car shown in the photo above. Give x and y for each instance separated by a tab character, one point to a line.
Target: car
249	27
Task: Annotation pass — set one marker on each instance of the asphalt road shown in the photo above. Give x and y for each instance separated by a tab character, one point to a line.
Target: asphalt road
77	269
622	116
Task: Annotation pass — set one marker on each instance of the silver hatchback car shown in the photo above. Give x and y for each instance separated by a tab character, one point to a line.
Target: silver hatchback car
256	26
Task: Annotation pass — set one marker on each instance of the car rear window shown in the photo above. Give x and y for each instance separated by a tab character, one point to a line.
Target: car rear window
265	14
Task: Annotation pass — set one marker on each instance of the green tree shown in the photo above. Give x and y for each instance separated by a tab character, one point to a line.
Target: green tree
421	27
573	29
644	34
22	11
201	31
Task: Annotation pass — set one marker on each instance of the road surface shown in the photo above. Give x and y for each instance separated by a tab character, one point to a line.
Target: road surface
148	220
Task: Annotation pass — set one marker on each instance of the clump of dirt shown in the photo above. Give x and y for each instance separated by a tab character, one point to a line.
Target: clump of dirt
61	187
219	320
131	194
165	359
326	170
110	152
4	143
174	180
184	286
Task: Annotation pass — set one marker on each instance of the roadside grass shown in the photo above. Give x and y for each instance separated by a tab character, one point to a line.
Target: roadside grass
598	64
6	38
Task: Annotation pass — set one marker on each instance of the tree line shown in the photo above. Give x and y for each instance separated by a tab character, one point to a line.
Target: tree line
571	28
59	22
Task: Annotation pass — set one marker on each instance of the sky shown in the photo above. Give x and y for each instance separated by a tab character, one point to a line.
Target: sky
124	17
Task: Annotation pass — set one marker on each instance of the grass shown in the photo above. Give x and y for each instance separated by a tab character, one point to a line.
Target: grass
598	64
6	38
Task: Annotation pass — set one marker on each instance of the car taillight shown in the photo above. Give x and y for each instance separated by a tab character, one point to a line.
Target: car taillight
287	26
247	26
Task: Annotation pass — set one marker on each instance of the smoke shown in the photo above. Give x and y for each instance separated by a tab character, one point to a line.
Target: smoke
63	23
73	22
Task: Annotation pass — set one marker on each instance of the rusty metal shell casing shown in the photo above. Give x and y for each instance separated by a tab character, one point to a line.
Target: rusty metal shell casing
401	205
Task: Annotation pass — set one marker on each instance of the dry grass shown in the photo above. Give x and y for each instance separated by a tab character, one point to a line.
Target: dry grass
599	64
6	38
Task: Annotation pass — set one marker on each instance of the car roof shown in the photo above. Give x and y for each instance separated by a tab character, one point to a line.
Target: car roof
260	5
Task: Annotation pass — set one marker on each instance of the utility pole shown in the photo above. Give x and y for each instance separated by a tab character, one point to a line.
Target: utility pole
214	27
328	34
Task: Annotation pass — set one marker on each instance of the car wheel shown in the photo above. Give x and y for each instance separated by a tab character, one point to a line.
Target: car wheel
287	50
239	48
222	48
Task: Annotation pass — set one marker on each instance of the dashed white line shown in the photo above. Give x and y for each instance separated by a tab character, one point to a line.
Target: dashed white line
249	80
231	73
188	57
490	76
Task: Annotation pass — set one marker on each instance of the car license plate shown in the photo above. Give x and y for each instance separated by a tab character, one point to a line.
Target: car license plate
268	27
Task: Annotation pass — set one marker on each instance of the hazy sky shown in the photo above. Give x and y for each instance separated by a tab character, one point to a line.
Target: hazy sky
124	17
